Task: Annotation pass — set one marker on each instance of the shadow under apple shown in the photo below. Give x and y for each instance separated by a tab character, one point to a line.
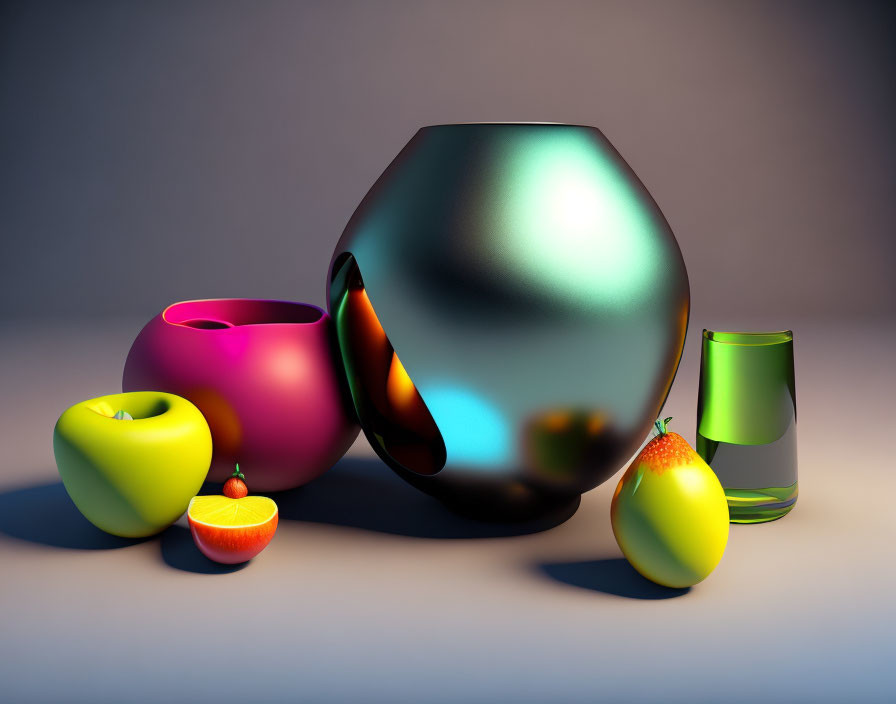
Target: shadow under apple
45	514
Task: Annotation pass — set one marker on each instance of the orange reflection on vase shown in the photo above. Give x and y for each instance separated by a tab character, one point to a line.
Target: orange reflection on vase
222	419
400	390
396	418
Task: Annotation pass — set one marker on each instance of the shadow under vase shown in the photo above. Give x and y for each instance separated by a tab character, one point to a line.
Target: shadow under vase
368	495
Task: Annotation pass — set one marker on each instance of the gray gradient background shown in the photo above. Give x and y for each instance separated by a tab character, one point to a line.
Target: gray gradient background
151	152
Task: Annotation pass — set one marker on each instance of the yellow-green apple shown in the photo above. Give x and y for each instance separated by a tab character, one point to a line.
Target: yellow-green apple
131	462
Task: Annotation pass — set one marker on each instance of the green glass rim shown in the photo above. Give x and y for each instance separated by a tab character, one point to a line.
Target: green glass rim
776	337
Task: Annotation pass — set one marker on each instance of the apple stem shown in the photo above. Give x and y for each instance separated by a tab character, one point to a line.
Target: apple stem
660	425
237	473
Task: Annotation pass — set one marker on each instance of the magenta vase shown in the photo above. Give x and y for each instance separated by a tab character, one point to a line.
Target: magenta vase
265	374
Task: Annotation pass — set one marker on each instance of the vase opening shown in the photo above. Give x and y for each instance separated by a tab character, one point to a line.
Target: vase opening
394	416
224	313
206	324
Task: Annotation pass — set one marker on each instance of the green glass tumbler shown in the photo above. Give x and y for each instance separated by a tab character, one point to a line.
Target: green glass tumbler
746	421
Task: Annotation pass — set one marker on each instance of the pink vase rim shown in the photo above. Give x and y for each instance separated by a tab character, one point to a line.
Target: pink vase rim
216	315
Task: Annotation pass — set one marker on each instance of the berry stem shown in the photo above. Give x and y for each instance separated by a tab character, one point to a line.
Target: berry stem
237	473
660	425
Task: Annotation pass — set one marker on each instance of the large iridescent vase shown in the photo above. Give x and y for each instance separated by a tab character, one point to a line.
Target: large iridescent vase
511	308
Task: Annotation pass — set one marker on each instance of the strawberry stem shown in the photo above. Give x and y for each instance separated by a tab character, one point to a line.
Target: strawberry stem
237	473
660	425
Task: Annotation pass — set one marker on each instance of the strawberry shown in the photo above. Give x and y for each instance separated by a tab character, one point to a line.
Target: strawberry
235	487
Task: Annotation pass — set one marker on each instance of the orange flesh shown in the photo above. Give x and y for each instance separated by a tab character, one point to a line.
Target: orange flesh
225	512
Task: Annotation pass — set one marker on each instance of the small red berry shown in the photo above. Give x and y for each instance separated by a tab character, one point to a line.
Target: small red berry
235	487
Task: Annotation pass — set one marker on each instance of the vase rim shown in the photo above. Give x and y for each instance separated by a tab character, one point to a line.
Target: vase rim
499	123
218	315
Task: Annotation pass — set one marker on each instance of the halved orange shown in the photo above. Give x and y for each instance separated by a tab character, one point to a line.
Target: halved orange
232	530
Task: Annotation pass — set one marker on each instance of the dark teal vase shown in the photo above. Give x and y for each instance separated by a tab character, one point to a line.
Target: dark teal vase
511	308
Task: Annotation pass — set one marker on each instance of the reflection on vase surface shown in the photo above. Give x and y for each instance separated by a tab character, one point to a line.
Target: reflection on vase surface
398	422
511	308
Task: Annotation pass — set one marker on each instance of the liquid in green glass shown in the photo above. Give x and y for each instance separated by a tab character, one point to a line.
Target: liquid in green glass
746	421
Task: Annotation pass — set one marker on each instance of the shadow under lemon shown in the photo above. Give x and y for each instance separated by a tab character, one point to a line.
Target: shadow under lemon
611	576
